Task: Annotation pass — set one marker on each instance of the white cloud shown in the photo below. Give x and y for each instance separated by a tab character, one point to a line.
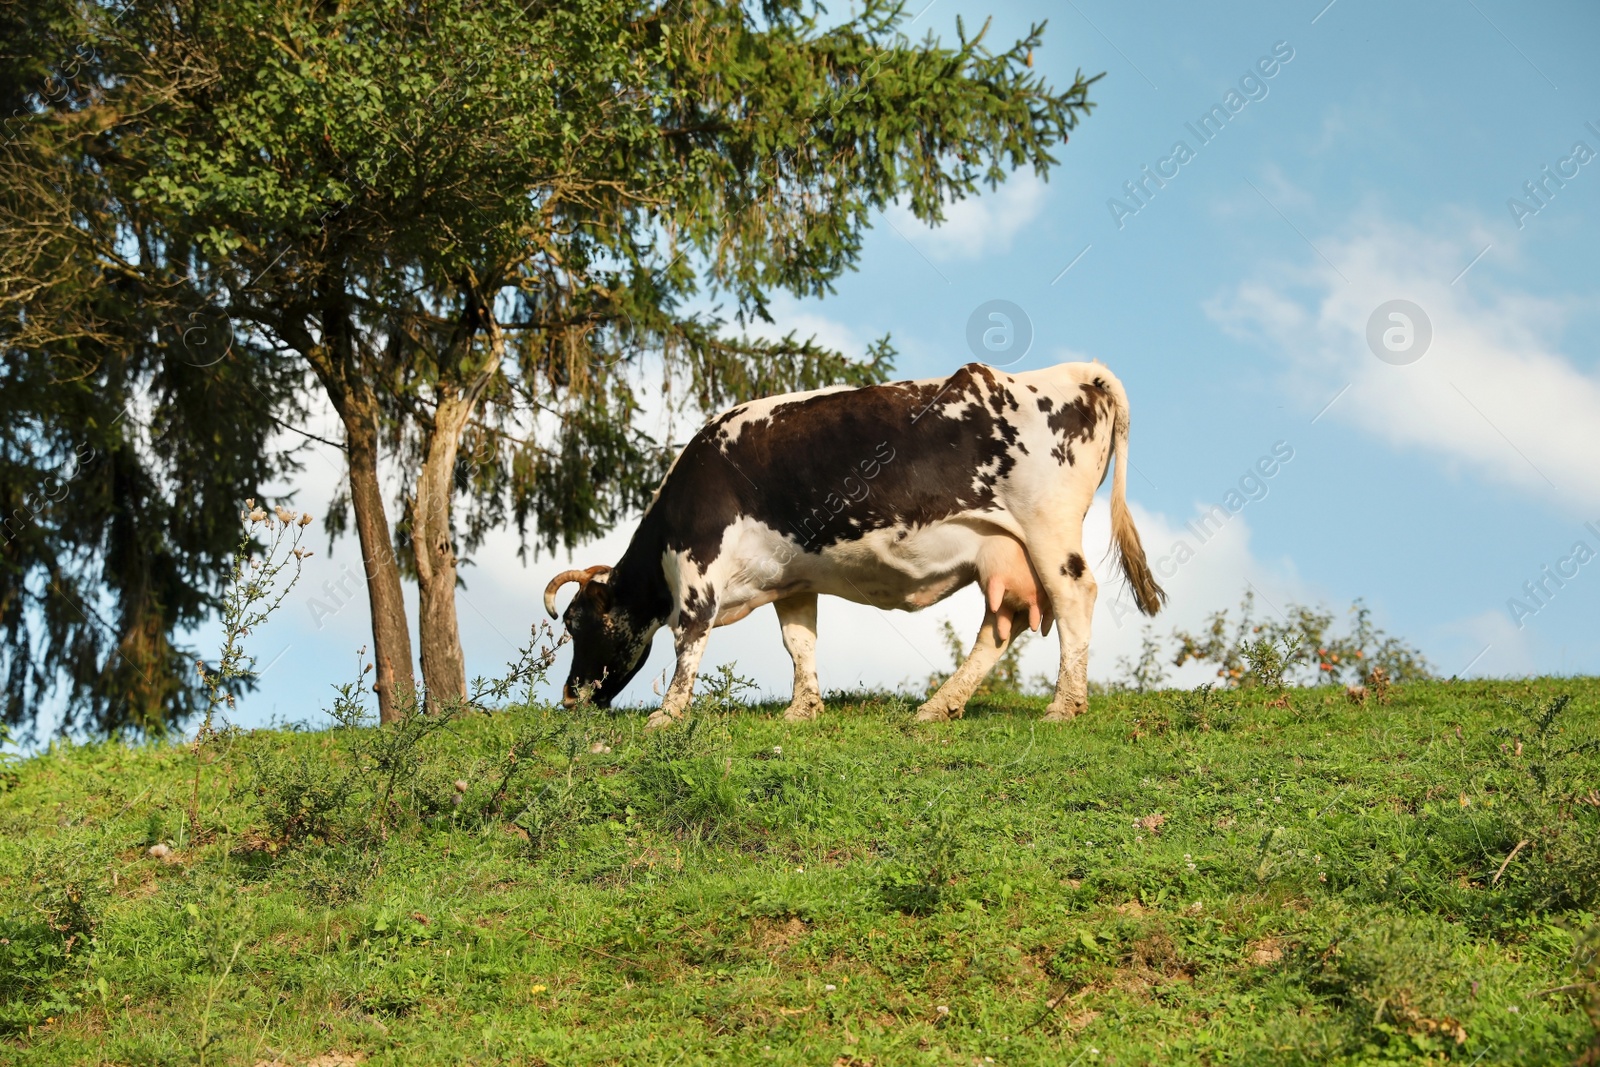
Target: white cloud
1493	392
1485	645
978	225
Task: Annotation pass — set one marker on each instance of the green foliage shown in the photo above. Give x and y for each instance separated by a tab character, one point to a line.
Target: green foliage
722	688
1398	983
367	779
1298	648
1200	709
248	601
684	782
1552	803
67	874
118	515
916	879
1586	961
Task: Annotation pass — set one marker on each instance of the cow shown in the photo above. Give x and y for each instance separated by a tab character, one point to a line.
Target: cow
893	495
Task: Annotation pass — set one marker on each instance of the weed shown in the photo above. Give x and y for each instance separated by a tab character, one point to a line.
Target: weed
367	779
1553	807
9	761
1586	961
1147	672
1396	985
722	689
251	596
683	781
304	795
1200	709
70	888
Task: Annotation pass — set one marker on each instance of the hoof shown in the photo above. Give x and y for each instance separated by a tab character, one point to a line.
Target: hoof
1066	713
803	710
932	713
659	720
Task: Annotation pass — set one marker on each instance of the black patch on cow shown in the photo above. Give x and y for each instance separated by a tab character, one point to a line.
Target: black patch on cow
1076	421
1045	403
831	468
1073	566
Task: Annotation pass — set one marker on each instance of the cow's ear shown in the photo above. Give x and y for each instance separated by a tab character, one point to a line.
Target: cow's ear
601	592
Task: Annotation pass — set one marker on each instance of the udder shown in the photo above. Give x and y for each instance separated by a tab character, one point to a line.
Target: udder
1011	585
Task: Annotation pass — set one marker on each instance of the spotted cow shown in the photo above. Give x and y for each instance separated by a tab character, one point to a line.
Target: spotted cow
892	495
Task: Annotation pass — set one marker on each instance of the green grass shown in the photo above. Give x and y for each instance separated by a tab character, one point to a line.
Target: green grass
1164	880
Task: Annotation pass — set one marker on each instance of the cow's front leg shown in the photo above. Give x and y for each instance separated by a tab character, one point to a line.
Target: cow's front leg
797	615
951	699
690	641
1072	592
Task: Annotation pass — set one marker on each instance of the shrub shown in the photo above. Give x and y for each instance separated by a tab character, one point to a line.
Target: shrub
1301	647
370	779
1552	807
67	876
1201	709
1395	983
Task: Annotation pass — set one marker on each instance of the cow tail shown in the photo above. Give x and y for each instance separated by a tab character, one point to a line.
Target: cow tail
1124	535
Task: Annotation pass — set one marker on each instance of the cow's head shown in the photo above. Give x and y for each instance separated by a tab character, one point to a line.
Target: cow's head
608	646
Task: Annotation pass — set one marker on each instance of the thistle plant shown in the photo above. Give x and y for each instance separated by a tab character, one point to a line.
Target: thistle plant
256	588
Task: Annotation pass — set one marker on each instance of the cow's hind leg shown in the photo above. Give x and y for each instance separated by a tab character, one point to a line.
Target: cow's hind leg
951	699
797	615
1072	592
690	640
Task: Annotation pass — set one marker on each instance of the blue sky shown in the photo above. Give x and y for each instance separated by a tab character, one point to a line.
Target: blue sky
1234	305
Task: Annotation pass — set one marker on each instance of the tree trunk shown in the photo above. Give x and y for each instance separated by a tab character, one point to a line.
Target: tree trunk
393	679
334	359
444	669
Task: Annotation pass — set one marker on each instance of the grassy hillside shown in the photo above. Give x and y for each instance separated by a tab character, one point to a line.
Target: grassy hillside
1174	878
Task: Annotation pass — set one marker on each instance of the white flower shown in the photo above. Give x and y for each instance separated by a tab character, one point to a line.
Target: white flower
944	1009
830	987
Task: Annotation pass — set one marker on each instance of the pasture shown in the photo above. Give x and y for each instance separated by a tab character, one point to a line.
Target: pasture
1176	877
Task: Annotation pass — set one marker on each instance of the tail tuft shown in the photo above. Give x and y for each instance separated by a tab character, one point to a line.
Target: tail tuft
1130	553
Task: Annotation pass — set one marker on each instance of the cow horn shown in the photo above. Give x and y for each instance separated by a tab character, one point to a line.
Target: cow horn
582	577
